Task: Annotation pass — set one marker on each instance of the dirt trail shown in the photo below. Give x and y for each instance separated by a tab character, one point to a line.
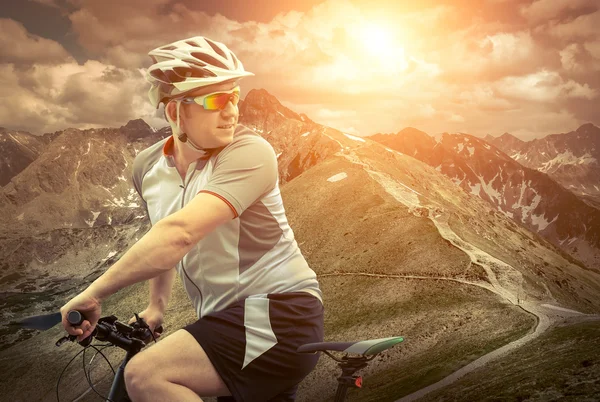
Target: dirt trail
505	280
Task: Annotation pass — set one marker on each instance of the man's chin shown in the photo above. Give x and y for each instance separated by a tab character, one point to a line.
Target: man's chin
221	140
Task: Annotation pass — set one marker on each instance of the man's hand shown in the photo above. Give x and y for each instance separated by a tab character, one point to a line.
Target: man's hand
87	305
153	317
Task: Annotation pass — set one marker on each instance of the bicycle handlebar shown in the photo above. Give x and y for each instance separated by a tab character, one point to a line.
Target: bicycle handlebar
131	338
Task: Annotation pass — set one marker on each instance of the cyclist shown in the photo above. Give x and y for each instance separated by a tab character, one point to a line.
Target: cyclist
211	191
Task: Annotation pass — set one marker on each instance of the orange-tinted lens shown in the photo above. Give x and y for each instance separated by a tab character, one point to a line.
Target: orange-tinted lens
219	101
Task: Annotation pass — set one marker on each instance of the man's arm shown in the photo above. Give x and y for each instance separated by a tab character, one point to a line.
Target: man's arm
164	245
160	290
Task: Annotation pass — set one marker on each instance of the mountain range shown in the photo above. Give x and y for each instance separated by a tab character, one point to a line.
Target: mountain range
409	235
529	196
571	159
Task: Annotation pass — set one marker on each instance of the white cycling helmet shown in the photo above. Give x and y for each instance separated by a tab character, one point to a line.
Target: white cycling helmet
188	64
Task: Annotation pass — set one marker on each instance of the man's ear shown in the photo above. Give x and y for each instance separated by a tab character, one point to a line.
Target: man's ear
171	110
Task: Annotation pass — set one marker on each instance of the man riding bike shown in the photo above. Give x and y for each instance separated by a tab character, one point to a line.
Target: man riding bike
211	191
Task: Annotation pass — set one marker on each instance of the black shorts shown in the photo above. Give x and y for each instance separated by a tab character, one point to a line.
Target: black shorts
252	344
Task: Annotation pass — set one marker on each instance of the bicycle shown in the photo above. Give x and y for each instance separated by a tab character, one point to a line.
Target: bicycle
133	338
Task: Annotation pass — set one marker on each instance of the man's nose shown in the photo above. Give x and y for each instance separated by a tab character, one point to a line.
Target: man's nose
230	108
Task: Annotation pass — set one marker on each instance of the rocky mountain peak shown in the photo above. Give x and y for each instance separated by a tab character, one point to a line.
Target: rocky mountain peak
259	106
261	97
413	132
510	137
306	119
588	128
135	129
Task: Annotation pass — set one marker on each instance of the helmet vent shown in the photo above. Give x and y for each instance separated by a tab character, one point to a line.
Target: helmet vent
209	60
168	48
195	62
235	60
215	48
194	44
196	72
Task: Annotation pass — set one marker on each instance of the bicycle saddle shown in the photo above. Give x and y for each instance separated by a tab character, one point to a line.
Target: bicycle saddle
368	347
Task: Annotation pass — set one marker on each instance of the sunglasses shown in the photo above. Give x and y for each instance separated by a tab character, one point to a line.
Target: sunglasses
215	100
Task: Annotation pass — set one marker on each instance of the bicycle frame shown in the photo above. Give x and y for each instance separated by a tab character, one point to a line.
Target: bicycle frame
133	338
118	392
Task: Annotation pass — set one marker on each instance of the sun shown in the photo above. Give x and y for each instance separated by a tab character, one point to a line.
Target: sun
380	45
375	39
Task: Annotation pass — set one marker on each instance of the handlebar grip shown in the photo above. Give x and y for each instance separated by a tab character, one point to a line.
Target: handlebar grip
75	318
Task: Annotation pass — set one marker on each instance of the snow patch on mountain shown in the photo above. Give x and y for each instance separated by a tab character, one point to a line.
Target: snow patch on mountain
566	158
352	137
475	189
91	222
526	209
396	152
337	177
516	156
111	254
489	189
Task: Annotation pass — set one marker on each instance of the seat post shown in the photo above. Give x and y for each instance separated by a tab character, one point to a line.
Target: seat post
349	366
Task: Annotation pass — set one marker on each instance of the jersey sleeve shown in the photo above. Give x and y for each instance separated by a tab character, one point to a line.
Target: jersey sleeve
244	172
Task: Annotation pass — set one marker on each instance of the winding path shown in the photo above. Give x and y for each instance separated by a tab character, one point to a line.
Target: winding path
504	280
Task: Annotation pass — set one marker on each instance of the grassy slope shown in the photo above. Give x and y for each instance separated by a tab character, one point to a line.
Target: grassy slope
562	364
445	326
31	368
351	226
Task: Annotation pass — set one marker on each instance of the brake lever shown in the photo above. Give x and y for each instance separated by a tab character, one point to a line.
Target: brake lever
73	338
140	326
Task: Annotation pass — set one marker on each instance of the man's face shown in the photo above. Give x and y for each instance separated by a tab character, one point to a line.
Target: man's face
203	126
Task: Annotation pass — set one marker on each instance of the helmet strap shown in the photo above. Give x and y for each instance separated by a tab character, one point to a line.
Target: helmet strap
184	138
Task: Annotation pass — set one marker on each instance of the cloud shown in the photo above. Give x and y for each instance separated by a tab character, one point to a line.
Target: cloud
583	27
593	48
540	123
48	3
484	97
455	118
369	69
574	58
19	47
49	98
122	33
515	47
544	10
544	86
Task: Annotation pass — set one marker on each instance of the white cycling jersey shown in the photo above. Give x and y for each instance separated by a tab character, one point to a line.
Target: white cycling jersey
253	254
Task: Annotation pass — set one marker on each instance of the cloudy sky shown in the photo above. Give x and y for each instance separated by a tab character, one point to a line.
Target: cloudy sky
528	67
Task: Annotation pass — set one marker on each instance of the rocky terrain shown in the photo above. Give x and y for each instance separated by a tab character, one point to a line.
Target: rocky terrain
528	196
398	247
18	150
571	159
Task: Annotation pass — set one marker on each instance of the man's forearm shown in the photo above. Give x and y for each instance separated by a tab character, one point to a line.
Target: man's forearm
160	289
161	248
